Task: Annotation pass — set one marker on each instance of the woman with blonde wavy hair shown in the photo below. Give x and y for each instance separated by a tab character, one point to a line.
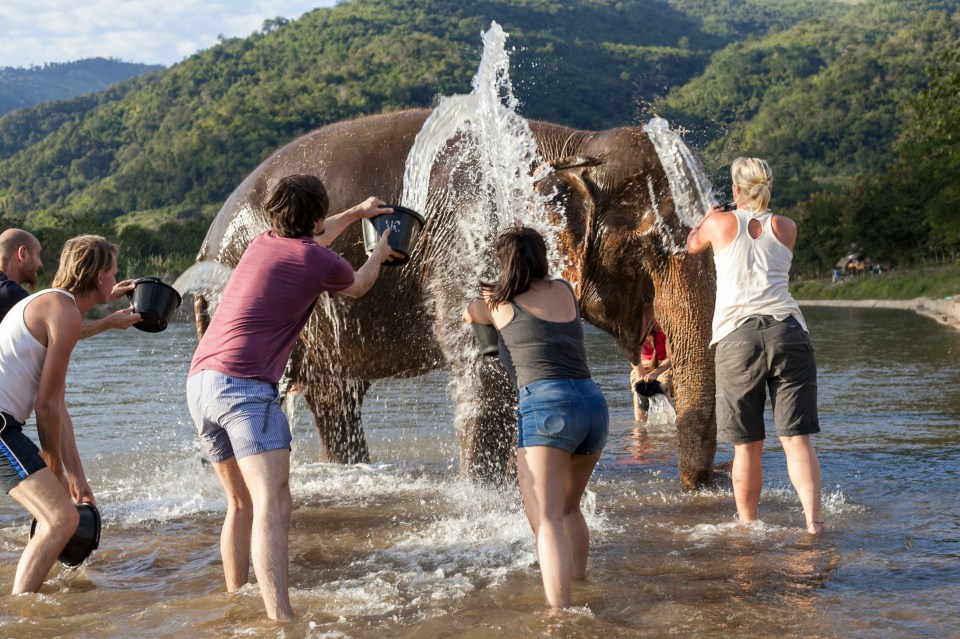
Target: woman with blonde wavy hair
762	341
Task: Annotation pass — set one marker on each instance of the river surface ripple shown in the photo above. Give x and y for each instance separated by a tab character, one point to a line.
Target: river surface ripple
403	547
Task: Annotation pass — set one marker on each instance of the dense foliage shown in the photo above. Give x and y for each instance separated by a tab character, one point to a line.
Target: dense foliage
23	87
860	160
844	99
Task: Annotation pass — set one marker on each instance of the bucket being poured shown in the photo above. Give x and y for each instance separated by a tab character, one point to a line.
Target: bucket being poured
85	540
404	224
156	301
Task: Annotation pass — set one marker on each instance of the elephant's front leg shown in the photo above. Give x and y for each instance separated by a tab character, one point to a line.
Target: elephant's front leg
335	404
486	421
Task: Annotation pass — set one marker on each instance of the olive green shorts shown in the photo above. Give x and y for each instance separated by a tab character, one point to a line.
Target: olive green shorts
760	355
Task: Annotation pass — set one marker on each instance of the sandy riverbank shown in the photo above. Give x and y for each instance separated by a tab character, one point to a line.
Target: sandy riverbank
945	310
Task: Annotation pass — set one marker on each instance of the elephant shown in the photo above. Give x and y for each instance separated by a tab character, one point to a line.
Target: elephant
620	238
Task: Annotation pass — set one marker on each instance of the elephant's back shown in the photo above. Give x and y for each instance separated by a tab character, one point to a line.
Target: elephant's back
354	159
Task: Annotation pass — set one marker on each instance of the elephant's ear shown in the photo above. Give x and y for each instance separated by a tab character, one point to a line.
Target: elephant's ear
564	181
562	164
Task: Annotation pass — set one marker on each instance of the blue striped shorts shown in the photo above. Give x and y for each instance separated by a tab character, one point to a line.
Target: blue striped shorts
19	456
236	416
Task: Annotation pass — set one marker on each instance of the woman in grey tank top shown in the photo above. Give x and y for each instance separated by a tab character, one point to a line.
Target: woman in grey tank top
562	415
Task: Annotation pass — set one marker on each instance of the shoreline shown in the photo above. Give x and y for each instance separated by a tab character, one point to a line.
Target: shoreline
945	310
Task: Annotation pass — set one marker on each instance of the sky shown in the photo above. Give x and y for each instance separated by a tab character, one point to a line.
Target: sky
35	32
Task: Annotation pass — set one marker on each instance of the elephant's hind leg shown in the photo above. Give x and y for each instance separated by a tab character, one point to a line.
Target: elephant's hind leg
336	404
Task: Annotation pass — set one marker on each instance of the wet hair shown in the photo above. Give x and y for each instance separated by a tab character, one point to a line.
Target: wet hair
755	180
82	260
295	205
523	259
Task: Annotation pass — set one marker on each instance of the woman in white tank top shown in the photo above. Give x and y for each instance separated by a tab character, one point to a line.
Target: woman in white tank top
761	341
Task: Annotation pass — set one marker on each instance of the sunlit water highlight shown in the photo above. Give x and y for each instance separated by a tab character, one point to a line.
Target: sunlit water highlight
403	547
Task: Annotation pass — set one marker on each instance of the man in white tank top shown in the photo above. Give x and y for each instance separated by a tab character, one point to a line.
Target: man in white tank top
19	263
762	342
36	340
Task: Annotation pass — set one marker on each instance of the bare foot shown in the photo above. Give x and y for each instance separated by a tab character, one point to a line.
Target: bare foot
815	527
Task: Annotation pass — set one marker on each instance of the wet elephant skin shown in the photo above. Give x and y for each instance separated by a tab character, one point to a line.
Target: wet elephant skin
622	239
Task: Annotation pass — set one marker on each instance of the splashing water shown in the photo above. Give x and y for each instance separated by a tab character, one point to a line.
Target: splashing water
689	185
494	153
208	278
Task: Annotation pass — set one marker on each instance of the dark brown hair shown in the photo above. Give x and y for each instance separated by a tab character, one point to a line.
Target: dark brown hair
295	205
523	258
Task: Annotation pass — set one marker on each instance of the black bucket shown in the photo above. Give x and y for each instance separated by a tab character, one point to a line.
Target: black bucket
404	224
85	540
156	301
486	339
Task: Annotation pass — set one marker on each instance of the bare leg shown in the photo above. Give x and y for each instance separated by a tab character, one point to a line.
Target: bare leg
580	469
267	477
804	470
45	498
747	476
235	536
543	475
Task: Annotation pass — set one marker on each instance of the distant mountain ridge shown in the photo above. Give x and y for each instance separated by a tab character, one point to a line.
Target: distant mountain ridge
26	86
822	88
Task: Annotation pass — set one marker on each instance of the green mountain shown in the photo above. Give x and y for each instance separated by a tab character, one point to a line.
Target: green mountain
820	87
827	102
23	87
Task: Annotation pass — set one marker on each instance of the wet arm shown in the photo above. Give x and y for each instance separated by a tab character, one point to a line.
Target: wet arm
334	225
701	237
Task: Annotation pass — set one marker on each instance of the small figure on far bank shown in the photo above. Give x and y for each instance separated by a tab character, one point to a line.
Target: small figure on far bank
232	384
654	374
37	338
562	415
762	341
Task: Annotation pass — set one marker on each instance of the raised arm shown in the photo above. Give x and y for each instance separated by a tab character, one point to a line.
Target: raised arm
334	225
367	274
122	319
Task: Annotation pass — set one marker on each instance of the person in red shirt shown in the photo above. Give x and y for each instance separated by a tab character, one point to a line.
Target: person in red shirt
654	374
232	383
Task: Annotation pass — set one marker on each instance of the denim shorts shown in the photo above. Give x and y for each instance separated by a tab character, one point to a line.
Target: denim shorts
761	355
236	416
570	414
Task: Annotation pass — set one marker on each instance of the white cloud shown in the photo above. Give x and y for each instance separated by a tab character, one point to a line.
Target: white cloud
34	32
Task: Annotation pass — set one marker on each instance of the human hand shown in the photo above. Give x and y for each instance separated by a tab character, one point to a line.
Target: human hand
80	491
372	207
121	288
383	251
715	208
122	319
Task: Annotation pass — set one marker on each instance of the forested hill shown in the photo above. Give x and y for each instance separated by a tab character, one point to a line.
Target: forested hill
859	116
23	87
150	160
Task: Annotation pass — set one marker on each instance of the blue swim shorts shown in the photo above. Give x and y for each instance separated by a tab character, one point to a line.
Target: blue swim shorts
19	456
570	414
236	416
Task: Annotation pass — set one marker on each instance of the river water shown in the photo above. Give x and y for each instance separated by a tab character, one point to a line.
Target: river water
404	547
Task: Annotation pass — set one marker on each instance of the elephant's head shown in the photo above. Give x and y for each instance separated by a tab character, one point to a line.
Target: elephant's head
625	245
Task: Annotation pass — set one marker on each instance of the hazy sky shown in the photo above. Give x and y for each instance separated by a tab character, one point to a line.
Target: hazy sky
33	32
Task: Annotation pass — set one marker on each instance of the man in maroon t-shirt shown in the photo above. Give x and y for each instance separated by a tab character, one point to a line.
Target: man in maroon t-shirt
232	384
